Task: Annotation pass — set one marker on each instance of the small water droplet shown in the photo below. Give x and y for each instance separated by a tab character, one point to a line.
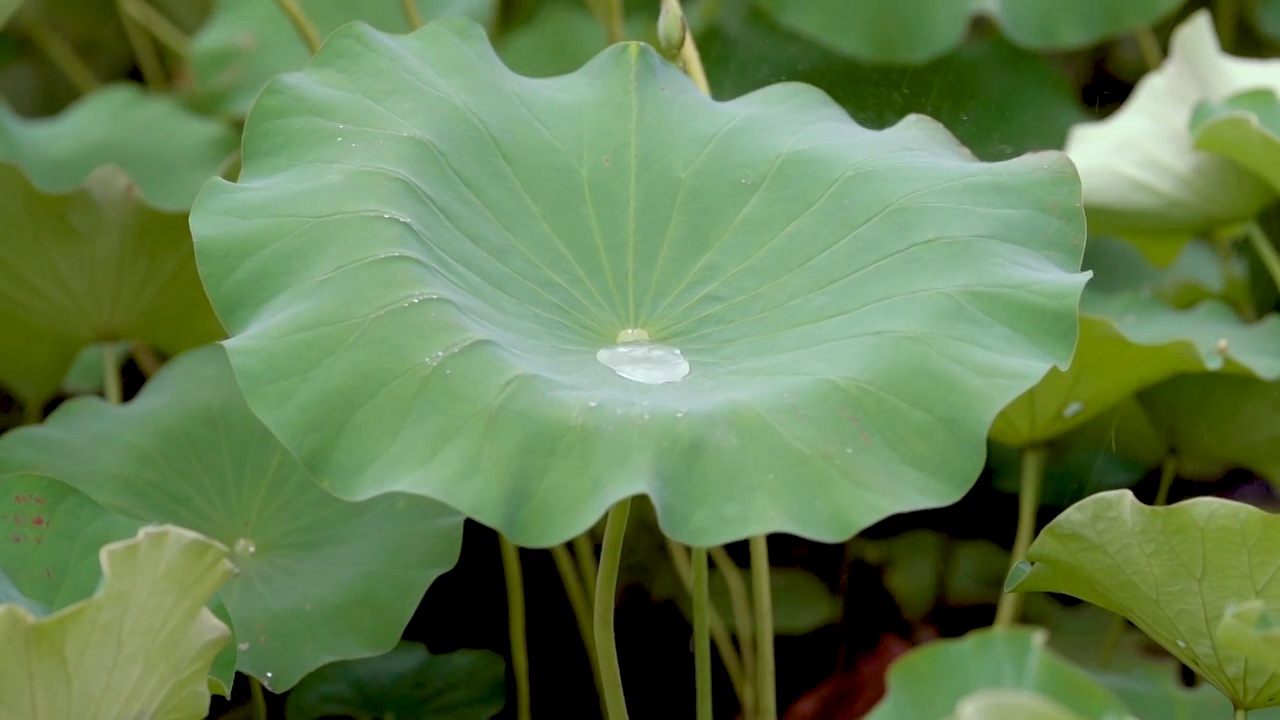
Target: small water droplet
246	546
245	645
652	364
1182	644
632	335
1072	409
593	403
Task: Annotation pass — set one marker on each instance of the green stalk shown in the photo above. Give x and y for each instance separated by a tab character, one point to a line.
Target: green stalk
144	50
1149	46
1241	714
411	14
584	550
740	600
112	386
614	21
516	624
257	699
702	633
577	594
762	602
159	26
1168	472
1227	18
1028	503
719	633
301	24
1266	251
59	51
615	529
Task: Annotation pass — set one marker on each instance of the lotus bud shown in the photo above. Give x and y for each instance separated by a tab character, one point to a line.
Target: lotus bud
671	28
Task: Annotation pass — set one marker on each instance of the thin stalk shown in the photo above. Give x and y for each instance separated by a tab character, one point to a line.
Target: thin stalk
411	14
144	50
691	59
257	699
762	602
1227	18
740	600
112	385
1149	46
160	27
516	625
584	550
1028	503
615	529
301	24
702	633
1266	251
719	634
1241	714
614	20
148	362
1168	472
577	594
59	52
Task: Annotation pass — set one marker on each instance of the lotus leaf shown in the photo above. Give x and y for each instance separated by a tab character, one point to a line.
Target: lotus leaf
442	283
1244	128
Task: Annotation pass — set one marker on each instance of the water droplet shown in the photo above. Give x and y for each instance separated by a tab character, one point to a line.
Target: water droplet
647	363
592	403
1182	644
632	335
245	645
246	546
1072	409
269	674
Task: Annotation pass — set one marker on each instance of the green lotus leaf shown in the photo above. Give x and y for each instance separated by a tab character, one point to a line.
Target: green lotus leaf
407	683
1244	128
245	43
90	266
140	647
916	31
167	151
1266	16
1171	570
49	549
1160	695
320	579
444	288
1213	424
928	682
1253	630
999	100
11	595
1142	174
1010	705
1131	339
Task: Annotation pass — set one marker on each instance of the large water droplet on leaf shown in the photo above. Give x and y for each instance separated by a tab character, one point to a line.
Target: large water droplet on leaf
644	362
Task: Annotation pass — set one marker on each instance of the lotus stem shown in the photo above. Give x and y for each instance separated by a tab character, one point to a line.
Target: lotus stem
112	385
147	360
59	51
584	550
577	594
1149	46
301	24
720	635
1266	251
702	633
411	14
740	600
516	625
614	20
615	530
144	50
257	699
1168	473
762	603
690	60
170	35
1227	18
1033	459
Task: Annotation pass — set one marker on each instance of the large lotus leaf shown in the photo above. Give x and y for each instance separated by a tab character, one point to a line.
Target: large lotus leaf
407	683
1216	423
320	579
1172	570
999	100
90	266
1141	172
1131	339
1253	630
1010	705
11	595
915	31
50	539
1244	128
928	682
167	151
247	42
431	287
1152	696
140	647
